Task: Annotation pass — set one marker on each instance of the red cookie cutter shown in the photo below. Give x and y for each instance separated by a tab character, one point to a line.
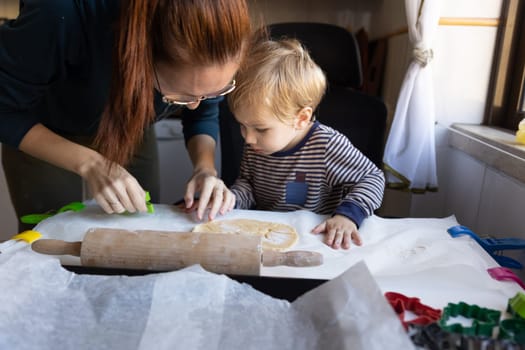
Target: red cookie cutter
424	314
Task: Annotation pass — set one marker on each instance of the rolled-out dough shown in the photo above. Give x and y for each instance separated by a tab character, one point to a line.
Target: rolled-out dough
276	236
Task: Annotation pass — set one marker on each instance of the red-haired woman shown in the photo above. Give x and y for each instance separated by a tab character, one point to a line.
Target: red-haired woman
81	83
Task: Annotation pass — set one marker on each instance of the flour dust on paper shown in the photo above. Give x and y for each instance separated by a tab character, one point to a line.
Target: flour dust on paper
275	236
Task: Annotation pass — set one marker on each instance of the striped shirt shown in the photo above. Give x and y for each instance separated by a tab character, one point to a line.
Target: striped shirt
324	173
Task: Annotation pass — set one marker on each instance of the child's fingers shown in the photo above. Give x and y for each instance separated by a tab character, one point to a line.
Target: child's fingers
347	240
338	239
329	238
334	238
356	238
319	228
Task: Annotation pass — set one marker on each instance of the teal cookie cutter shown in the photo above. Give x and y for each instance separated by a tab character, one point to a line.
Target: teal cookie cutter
483	320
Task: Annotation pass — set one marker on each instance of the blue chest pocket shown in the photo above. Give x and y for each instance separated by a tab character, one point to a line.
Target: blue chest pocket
296	191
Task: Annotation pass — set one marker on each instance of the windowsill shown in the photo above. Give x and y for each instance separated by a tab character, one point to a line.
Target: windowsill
493	146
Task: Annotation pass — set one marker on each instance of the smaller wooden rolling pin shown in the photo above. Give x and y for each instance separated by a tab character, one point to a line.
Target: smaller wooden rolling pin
166	251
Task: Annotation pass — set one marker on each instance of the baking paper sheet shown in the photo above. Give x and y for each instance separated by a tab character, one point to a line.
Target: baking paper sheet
414	256
43	306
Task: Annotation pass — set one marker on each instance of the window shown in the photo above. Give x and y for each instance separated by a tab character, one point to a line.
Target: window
506	97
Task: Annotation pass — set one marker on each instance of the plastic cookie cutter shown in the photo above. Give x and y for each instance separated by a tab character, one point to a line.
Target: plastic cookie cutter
432	337
21	239
150	207
516	306
493	246
483	320
512	329
36	218
403	304
505	274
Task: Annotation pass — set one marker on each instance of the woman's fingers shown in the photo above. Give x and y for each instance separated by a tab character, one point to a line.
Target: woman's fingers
213	195
228	203
216	202
116	191
206	195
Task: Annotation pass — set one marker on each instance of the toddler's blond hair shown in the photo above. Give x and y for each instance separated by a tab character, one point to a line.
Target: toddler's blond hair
279	76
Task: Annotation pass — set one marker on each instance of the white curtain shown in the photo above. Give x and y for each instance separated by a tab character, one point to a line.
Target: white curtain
410	157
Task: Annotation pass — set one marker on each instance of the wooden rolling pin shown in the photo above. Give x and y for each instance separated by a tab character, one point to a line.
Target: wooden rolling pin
166	251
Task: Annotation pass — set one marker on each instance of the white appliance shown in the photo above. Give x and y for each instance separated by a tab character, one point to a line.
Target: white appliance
175	164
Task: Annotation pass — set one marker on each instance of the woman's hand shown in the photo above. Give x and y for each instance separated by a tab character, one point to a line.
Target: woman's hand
213	194
340	232
114	188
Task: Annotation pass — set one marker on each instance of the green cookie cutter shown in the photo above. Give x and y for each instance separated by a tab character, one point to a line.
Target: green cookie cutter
149	205
516	306
483	320
512	329
36	218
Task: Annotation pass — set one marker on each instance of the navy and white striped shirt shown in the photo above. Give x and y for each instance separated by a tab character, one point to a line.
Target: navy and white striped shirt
324	173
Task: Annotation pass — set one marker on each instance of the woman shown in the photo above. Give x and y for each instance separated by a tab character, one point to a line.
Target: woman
81	83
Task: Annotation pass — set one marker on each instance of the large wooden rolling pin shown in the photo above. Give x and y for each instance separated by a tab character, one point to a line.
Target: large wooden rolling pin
166	251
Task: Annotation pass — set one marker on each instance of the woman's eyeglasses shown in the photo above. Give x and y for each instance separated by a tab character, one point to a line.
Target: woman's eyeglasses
183	100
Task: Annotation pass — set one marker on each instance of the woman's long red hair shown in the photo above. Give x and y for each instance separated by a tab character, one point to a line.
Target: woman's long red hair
181	32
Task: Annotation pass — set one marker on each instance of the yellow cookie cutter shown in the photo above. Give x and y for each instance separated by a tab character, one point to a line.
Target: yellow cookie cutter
28	236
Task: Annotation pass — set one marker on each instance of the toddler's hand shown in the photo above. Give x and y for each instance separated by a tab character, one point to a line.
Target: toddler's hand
340	231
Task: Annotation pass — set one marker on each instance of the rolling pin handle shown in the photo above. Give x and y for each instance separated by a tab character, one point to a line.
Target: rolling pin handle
296	258
56	247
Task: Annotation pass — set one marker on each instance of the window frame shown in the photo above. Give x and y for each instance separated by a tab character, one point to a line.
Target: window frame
506	87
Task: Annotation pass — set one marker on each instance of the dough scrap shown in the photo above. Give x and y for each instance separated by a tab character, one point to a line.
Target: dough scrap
275	236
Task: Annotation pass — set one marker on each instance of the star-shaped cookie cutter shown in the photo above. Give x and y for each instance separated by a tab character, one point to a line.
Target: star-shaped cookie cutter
483	320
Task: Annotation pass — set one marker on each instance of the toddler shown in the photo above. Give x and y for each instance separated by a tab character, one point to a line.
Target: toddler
290	161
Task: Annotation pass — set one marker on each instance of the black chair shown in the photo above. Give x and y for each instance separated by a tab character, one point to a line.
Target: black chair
361	117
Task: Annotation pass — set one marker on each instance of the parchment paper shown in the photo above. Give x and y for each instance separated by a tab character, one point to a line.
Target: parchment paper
43	306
